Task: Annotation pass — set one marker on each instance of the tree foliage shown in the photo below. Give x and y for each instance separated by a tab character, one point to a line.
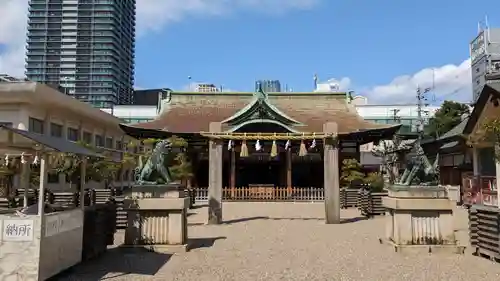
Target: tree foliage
180	167
178	161
375	180
446	117
492	134
351	171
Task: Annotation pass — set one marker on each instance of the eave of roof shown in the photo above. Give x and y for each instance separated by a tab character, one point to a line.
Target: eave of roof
490	89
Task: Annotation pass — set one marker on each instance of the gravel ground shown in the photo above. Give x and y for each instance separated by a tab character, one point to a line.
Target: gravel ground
287	241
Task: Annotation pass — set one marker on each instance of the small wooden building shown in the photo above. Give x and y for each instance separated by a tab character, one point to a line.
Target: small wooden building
466	157
270	139
454	154
483	150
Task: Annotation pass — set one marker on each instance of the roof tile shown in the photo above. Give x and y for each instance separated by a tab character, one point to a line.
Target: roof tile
189	113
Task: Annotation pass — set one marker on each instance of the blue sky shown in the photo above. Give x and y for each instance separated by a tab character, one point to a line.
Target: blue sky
371	42
379	48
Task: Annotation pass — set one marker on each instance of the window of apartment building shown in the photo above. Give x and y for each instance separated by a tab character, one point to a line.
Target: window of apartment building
36	125
56	130
87	137
109	143
99	141
73	134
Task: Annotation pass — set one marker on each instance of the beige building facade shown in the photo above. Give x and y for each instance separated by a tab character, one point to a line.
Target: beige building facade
41	109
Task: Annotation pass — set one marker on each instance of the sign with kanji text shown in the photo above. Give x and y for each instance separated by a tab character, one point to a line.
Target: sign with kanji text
18	230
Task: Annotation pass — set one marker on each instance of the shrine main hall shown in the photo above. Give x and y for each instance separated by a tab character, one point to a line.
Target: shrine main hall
282	140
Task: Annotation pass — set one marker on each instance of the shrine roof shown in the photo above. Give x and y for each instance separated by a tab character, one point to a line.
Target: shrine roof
188	112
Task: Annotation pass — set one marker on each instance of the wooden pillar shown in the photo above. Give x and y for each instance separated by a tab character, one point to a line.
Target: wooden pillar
215	177
331	175
232	179
289	188
476	165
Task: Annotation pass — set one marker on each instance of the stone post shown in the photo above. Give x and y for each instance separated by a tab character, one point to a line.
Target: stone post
215	177
331	174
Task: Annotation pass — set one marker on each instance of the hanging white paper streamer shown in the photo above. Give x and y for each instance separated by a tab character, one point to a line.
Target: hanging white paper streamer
35	160
258	147
313	144
6	159
23	160
230	145
287	144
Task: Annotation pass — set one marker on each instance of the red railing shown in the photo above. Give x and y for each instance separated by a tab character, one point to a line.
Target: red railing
480	190
265	194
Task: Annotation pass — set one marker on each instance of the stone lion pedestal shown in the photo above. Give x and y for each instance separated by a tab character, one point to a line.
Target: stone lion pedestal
157	218
420	218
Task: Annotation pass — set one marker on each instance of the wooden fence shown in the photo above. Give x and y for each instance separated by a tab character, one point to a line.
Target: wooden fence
265	194
484	231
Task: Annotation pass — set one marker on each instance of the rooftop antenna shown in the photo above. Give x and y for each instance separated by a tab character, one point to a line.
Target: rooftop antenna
315	78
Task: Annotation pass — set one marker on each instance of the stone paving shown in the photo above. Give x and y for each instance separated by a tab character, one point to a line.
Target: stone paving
287	241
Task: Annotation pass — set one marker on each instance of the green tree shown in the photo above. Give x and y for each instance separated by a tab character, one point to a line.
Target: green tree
351	171
446	117
492	134
375	180
181	167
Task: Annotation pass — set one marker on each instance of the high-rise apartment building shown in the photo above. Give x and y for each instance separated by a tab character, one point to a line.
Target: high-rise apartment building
485	59
85	46
272	86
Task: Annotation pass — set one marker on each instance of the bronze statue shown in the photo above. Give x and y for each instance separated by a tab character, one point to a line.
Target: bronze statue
155	170
422	172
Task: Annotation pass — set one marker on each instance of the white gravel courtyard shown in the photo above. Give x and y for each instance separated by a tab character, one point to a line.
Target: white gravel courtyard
287	241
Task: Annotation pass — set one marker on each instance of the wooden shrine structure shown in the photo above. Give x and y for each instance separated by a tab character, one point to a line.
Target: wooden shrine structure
483	183
466	154
264	139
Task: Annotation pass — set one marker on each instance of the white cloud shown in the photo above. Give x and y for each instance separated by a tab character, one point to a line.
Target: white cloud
450	82
152	15
13	23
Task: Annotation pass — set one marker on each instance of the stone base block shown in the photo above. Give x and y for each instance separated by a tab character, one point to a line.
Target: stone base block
420	219
157	224
163	249
425	249
157	191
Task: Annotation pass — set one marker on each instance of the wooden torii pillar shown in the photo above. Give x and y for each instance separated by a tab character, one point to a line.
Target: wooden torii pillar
331	174
215	176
